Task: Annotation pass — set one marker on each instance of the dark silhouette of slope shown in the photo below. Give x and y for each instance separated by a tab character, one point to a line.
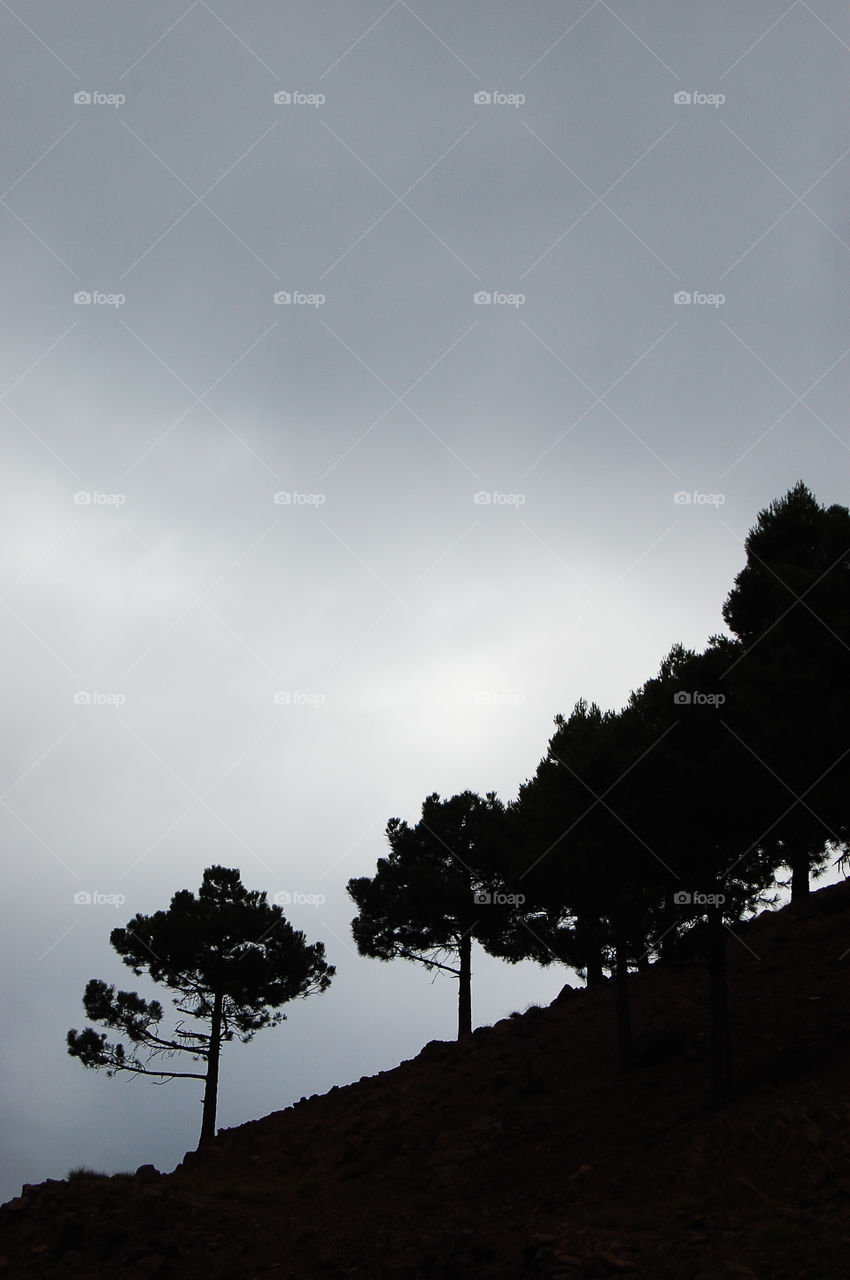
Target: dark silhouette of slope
521	1152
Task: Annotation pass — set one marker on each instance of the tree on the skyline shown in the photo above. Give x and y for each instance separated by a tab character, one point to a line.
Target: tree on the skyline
587	866
437	890
713	801
550	807
232	957
790	609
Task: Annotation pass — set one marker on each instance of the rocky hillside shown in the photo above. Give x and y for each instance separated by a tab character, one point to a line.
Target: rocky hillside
522	1154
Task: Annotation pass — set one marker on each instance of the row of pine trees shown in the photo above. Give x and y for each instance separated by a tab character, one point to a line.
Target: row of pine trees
645	833
657	828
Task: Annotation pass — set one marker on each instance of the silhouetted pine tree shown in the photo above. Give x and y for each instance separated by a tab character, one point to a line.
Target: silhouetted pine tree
437	890
714	802
591	872
790	609
231	956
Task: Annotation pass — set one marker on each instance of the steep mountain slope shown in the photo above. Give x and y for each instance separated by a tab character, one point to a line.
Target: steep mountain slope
522	1153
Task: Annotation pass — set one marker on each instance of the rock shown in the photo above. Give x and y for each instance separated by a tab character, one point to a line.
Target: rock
436	1051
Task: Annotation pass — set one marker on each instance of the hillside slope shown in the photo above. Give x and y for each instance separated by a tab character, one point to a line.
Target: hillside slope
522	1154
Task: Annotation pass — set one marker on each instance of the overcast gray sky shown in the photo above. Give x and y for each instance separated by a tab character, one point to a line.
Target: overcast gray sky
476	519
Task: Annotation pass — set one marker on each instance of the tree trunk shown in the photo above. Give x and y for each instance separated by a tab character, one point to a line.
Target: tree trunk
669	944
721	1040
590	933
211	1086
624	1016
464	989
800	887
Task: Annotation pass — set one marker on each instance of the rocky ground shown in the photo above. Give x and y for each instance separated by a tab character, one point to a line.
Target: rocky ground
522	1155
